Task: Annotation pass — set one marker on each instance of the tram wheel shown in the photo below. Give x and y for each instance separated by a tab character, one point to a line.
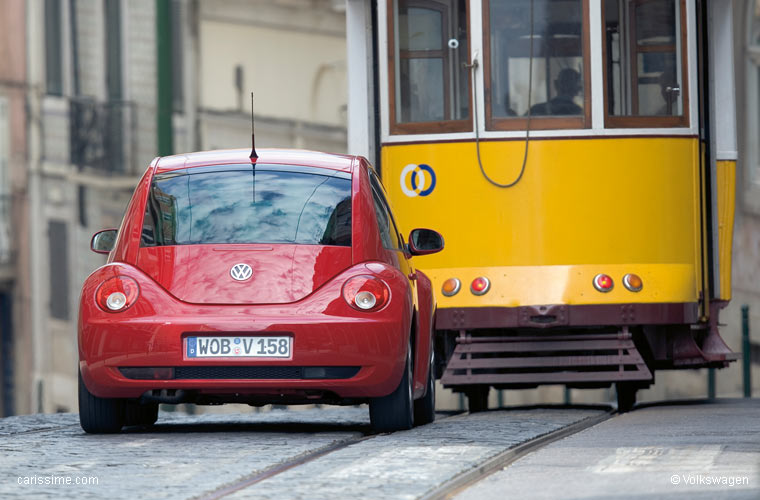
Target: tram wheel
477	399
626	396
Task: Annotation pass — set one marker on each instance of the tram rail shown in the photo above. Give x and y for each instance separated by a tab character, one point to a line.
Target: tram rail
280	468
451	488
445	490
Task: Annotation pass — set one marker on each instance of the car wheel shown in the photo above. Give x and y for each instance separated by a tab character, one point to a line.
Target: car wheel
477	399
395	412
424	408
99	415
140	414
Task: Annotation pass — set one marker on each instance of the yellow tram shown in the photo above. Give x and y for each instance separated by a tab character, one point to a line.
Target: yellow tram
578	157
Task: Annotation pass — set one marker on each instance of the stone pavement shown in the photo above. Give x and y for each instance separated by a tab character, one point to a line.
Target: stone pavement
189	456
406	465
692	450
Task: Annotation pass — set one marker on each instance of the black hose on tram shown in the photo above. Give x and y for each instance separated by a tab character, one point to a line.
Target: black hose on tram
474	66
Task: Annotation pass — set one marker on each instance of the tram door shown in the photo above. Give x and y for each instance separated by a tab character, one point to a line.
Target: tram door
644	43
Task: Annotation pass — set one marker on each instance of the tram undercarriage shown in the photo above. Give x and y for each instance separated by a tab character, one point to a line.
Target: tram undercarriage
546	345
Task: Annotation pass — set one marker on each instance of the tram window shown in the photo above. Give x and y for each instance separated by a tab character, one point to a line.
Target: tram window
430	89
644	67
558	97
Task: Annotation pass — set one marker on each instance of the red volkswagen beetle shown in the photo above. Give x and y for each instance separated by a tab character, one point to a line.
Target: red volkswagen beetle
275	279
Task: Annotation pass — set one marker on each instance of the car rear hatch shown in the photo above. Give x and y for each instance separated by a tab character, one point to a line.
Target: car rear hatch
236	234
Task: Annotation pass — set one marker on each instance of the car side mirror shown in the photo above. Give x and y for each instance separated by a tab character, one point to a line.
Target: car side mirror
425	242
103	241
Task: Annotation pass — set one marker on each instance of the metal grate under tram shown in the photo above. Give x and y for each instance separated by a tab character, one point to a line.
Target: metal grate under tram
544	359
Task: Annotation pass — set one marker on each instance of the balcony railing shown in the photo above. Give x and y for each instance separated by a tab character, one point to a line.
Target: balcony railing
102	135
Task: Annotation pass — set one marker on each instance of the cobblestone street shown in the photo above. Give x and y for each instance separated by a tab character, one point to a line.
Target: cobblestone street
690	450
194	456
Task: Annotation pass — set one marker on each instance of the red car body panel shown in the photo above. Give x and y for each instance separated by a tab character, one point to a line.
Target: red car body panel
343	163
424	332
296	291
128	239
281	273
326	332
366	244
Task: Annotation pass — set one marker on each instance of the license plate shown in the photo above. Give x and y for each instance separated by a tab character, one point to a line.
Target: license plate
238	347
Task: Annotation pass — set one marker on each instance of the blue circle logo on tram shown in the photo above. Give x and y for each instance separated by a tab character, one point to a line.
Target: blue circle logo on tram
417	180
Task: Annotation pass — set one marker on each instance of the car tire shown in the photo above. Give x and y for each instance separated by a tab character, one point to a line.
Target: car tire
99	415
395	412
424	408
140	414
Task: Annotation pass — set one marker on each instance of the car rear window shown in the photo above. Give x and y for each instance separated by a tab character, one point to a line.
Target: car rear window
243	204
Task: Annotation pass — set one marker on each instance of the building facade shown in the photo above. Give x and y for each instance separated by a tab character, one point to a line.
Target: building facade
81	97
746	250
291	54
92	129
14	240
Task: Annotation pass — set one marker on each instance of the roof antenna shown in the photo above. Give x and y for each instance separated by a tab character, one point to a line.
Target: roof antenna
254	155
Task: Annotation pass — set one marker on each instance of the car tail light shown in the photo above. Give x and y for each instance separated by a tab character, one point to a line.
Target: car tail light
451	287
633	282
480	286
366	293
117	293
603	283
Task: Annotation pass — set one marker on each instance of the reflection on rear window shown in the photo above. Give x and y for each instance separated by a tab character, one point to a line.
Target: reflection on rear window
246	205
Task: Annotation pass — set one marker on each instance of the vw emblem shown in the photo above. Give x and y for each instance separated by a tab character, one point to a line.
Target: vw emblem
417	180
241	272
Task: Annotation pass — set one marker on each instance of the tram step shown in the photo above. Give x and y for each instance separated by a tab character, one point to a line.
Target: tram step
534	360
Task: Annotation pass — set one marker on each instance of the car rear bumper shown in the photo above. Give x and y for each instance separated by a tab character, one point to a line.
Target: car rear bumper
372	349
325	331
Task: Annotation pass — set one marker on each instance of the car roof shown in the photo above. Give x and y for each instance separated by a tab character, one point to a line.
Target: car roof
269	156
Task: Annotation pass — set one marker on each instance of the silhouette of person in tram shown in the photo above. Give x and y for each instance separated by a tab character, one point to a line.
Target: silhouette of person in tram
567	85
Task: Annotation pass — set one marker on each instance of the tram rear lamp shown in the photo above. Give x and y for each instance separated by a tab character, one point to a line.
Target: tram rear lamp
633	282
603	283
480	286
451	287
